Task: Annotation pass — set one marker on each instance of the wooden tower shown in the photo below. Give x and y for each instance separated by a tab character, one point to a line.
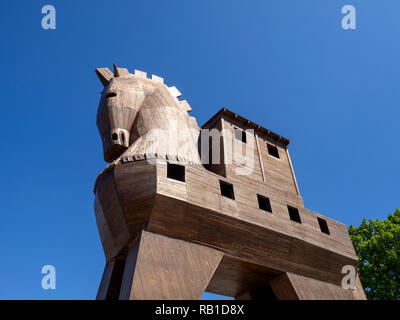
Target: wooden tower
180	212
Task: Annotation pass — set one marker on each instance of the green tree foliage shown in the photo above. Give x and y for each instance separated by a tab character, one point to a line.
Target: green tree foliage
377	244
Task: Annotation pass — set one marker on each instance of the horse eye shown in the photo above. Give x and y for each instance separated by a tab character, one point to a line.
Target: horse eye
112	94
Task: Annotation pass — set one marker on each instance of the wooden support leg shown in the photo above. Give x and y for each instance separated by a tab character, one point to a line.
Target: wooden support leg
289	286
111	281
158	267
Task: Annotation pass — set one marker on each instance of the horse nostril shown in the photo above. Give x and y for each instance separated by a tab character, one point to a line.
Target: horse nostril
122	138
114	136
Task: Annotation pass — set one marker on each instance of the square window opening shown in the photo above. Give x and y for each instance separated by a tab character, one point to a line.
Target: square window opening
176	172
294	214
226	189
273	150
323	225
240	135
264	203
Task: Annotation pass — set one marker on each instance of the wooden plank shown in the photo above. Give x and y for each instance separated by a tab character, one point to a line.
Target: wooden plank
260	159
247	241
247	162
112	226
129	271
292	170
166	268
283	288
290	286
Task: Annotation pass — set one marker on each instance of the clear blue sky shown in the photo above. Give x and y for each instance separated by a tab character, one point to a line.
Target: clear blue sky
285	64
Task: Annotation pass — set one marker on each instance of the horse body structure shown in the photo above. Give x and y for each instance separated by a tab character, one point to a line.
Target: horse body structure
180	210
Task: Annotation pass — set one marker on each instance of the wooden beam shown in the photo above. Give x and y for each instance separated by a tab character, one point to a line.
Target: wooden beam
292	170
159	267
260	158
290	286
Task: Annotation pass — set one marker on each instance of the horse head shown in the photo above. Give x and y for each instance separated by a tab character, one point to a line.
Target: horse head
124	127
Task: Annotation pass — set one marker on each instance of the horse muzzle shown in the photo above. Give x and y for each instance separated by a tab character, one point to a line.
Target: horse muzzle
118	143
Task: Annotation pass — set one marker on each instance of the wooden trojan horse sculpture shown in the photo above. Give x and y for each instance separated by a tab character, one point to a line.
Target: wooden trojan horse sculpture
173	226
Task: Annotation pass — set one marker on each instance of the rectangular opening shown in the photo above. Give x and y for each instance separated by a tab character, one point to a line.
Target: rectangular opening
323	225
273	150
264	203
240	135
294	214
176	172
226	189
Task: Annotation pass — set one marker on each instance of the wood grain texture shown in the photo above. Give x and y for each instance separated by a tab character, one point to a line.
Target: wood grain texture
235	277
292	170
110	218
259	129
289	286
169	269
283	288
266	170
123	203
245	208
260	158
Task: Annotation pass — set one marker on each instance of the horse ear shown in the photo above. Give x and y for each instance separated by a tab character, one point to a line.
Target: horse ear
120	72
116	70
104	75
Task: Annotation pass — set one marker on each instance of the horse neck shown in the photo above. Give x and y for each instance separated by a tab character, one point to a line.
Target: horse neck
160	110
